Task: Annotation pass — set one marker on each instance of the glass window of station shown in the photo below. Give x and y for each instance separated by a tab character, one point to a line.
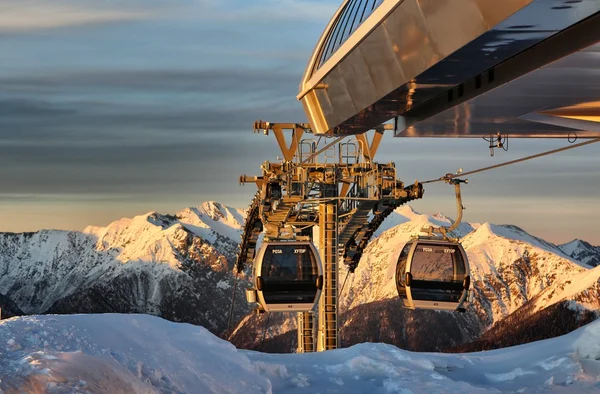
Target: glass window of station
352	16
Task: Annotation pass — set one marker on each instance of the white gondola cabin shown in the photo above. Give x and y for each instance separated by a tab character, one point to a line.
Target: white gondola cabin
433	274
288	276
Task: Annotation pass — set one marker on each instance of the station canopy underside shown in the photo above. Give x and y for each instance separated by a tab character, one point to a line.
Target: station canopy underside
458	68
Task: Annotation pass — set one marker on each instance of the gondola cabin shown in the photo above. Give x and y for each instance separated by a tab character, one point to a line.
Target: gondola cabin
288	276
433	274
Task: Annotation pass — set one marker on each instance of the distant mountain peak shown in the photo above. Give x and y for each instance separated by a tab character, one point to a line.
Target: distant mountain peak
407	209
164	221
514	234
213	209
582	251
439	215
509	265
405	214
570	247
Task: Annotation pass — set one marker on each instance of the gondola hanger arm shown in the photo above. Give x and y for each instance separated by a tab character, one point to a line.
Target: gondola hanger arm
450	179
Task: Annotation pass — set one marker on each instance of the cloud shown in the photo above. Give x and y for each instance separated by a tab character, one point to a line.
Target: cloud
268	11
116	141
18	16
21	16
211	80
295	9
142	107
155	114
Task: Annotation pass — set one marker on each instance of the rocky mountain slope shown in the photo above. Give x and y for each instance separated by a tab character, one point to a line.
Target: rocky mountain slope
509	268
8	308
174	266
528	325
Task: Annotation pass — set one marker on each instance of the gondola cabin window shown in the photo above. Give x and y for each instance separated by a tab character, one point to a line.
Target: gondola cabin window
355	12
289	263
437	263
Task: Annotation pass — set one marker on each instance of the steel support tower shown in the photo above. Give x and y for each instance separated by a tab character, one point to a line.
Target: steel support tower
336	188
328	303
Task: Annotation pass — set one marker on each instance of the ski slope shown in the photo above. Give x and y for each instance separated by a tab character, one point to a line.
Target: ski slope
115	353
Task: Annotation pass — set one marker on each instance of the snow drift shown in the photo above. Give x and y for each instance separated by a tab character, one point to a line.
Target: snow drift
144	354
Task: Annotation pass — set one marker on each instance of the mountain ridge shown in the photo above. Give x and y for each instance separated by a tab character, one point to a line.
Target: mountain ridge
179	266
151	263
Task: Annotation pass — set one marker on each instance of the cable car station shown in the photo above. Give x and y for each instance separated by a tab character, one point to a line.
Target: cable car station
437	69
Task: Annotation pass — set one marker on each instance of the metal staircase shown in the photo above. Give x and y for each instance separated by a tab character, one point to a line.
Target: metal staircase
284	207
357	225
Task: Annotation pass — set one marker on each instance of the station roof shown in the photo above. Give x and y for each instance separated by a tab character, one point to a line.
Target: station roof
457	68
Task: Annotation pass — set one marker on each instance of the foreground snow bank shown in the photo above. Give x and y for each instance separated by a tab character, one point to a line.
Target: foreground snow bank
115	353
145	354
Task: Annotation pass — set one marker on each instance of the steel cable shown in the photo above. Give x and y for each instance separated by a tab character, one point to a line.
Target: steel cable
550	152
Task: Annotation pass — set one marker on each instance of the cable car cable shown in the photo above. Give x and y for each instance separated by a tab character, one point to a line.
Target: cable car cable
550	152
228	332
344	284
264	332
248	241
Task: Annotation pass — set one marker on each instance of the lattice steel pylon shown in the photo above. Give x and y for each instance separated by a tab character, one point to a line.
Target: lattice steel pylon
306	332
303	192
328	334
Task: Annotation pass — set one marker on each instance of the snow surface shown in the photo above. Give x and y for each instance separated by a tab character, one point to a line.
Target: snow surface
141	238
212	219
144	354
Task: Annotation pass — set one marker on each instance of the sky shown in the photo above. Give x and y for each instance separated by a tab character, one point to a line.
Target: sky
112	109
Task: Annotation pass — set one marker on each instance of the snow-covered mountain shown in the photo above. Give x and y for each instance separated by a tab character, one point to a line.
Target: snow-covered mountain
137	354
509	268
175	266
179	267
582	251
